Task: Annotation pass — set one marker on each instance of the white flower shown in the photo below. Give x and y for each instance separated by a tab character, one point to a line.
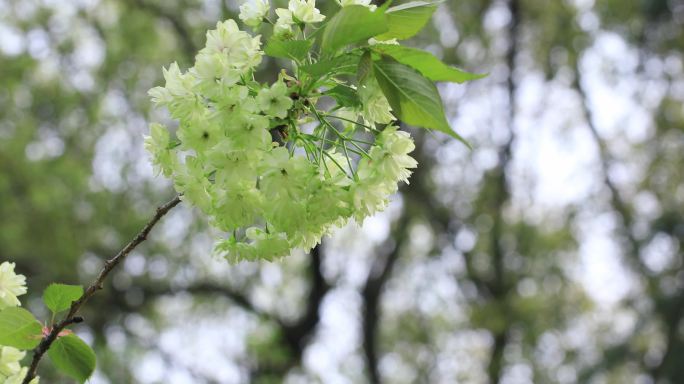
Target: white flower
253	12
11	286
283	26
393	159
212	67
274	101
305	11
178	93
160	95
368	195
376	108
226	35
239	47
365	3
157	144
18	378
9	361
177	85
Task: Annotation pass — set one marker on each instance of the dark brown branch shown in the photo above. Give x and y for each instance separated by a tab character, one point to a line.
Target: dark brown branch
668	309
188	45
95	286
617	202
497	285
379	273
668	367
496	360
439	216
209	288
154	291
502	193
296	335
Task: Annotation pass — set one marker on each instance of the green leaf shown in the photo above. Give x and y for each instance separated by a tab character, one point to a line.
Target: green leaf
413	98
352	24
296	50
344	95
58	297
365	67
19	329
426	63
345	63
73	357
385	5
407	19
173	143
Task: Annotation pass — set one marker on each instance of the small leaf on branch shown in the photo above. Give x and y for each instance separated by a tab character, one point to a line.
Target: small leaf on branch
19	328
345	63
352	24
414	99
365	67
296	50
426	63
73	357
405	20
344	95
58	297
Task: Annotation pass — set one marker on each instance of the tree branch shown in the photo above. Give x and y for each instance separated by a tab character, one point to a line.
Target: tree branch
297	333
379	273
498	285
294	336
184	35
617	202
668	308
95	286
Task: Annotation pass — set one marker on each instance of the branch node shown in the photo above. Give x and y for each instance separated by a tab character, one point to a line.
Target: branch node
96	285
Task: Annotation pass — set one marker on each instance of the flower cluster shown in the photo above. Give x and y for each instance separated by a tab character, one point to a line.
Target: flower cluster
298	12
11	286
365	3
247	156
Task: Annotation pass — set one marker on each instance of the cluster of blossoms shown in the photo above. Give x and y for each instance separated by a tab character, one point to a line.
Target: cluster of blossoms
298	12
261	161
11	286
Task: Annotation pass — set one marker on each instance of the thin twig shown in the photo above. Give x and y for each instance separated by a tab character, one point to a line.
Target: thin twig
351	121
95	286
618	202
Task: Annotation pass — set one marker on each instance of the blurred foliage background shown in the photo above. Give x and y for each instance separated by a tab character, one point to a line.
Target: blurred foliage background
551	253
